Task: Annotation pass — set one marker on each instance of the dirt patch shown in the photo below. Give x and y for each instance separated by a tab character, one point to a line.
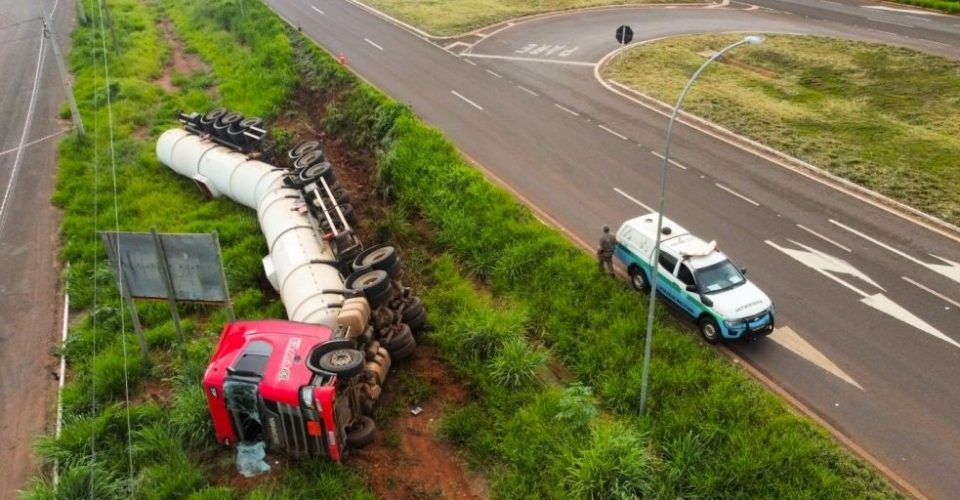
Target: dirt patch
407	458
180	61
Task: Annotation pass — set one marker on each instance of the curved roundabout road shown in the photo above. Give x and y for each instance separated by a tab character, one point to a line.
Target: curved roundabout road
868	299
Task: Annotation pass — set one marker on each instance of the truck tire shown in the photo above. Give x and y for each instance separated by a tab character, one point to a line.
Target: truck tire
302	149
709	330
412	309
382	257
638	278
361	432
372	283
399	339
342	362
404	352
417	323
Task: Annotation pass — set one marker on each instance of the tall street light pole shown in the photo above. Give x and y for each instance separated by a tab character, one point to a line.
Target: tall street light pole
655	261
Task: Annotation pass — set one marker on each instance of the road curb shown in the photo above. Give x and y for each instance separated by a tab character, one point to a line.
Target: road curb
799	408
780	158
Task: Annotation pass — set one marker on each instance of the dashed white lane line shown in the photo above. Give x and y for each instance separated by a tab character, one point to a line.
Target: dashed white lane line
932	292
631	198
738	195
948	269
613	132
891	22
468	61
494	73
533	59
468	101
316	9
568	110
824	238
674	163
521	87
372	43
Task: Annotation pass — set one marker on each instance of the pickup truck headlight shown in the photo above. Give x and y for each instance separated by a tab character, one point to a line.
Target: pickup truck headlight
733	323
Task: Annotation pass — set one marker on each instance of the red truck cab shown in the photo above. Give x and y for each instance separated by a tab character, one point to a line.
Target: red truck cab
288	384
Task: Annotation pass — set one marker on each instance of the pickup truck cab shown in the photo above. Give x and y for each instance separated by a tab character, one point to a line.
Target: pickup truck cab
696	277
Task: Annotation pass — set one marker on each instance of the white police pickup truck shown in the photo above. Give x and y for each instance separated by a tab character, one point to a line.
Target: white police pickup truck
696	277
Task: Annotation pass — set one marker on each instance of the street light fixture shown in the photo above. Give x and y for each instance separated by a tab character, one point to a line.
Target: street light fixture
752	40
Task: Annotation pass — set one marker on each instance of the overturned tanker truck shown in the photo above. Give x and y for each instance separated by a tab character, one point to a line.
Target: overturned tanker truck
307	386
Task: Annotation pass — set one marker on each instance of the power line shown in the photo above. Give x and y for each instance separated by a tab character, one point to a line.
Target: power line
116	223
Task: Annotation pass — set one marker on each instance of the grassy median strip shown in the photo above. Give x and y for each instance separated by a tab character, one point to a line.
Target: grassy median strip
887	118
169	444
455	17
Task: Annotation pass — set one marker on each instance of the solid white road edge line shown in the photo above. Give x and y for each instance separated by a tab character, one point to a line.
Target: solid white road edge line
931	291
468	101
631	198
372	43
824	238
738	195
614	132
568	110
8	192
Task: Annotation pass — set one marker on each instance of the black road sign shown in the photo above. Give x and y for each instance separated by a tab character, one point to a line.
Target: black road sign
624	34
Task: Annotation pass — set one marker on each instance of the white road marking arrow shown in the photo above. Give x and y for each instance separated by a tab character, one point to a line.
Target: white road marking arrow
828	265
786	337
950	269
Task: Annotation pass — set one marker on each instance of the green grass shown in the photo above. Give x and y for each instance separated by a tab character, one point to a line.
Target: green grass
710	431
886	118
944	5
454	17
169	443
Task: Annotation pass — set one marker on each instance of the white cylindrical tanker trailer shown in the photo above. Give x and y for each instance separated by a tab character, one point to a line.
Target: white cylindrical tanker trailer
306	386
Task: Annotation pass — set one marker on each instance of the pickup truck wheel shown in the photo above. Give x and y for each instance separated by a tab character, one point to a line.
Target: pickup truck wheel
710	330
360	433
342	362
638	278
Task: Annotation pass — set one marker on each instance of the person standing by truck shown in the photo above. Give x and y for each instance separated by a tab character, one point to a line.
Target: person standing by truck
608	243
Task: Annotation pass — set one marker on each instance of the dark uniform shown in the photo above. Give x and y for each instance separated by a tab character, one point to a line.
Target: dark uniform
605	253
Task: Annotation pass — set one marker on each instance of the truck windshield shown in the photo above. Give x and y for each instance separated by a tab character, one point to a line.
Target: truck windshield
719	277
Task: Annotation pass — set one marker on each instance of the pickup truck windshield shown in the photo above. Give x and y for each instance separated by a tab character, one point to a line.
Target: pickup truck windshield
719	277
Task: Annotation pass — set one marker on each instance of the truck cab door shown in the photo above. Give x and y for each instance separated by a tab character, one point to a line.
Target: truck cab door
688	301
666	280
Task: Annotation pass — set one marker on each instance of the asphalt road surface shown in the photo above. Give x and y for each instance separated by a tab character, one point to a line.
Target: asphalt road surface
868	301
30	91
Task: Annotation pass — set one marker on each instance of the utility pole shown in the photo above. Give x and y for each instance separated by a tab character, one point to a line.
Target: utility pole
64	77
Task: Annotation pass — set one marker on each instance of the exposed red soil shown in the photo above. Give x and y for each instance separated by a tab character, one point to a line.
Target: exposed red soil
180	61
407	459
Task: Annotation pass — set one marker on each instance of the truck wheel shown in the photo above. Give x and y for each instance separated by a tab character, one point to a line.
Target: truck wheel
638	278
412	309
417	322
342	362
404	352
710	330
360	433
399	339
371	283
382	257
